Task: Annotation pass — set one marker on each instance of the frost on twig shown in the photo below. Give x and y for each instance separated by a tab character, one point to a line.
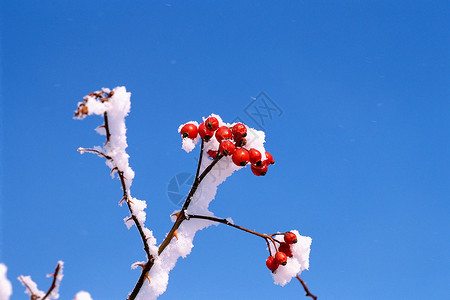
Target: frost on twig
114	106
52	293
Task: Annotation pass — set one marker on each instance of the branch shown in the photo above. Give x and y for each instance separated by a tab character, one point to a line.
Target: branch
308	293
52	287
266	237
181	216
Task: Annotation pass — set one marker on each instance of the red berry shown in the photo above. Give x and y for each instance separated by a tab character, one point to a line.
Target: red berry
286	249
204	132
255	157
223	133
259	171
290	238
212	153
271	264
269	158
226	148
212	123
189	130
240	157
281	258
239	131
241	143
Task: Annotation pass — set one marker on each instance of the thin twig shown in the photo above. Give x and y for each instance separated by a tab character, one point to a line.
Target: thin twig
228	223
308	293
95	151
52	287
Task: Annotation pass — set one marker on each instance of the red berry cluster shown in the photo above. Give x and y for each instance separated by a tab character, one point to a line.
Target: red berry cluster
232	143
284	251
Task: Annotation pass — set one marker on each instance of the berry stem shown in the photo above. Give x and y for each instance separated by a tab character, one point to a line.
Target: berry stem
266	237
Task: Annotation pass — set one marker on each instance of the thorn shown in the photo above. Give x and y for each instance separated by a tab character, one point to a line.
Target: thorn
121	200
176	214
129	219
148	278
129	201
50	275
175	234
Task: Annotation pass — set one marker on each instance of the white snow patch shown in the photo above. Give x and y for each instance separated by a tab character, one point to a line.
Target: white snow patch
5	284
82	295
295	264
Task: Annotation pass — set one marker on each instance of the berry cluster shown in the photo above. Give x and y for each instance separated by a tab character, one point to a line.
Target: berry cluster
284	251
232	142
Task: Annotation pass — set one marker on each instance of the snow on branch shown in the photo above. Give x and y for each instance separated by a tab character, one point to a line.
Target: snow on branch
5	284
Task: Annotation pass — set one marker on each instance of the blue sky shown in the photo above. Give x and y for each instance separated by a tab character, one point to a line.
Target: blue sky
361	145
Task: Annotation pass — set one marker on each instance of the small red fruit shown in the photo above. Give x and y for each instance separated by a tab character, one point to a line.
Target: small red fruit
241	143
189	130
281	258
239	131
212	153
290	238
212	123
269	158
255	157
259	171
241	157
226	148
286	249
223	133
271	264
204	132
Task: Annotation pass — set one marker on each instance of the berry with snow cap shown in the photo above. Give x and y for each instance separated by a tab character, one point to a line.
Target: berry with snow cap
281	258
290	238
223	133
204	132
226	148
212	123
240	157
189	130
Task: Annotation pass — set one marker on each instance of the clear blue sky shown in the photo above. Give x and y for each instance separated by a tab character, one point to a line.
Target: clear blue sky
361	147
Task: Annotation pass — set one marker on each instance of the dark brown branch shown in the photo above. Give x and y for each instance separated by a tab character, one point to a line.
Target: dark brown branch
181	216
108	133
52	287
266	237
95	151
308	293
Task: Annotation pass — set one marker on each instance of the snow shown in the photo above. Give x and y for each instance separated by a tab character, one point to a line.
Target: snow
188	144
5	284
82	295
30	286
117	108
295	264
206	192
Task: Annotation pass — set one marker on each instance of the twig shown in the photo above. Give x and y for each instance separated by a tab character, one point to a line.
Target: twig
58	267
308	293
266	237
95	151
